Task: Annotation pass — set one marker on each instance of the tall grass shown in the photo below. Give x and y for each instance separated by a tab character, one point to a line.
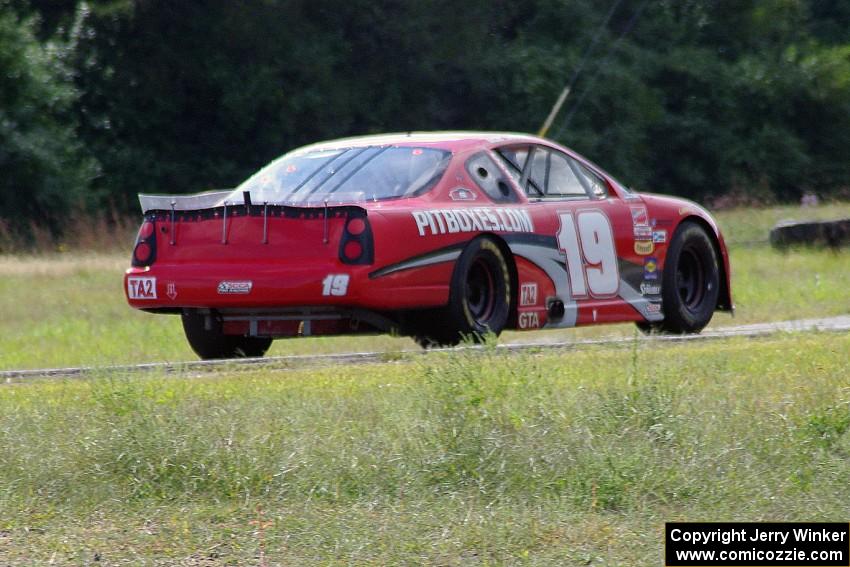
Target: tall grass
391	460
86	232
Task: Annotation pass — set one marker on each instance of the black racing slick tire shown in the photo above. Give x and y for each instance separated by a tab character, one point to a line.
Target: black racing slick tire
209	342
690	283
479	297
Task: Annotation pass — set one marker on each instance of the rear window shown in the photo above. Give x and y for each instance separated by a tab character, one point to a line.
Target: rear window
370	173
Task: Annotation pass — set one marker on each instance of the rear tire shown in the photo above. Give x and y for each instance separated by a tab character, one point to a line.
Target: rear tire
212	343
479	298
690	282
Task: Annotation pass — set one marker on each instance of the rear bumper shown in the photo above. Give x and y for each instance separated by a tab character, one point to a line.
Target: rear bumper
171	287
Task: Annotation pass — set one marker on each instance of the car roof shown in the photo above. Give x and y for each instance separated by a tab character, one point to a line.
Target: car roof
450	140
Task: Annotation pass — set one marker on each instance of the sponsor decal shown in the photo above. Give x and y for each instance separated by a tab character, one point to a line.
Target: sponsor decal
687	211
639	216
643	233
653	308
650	268
528	294
239	287
171	290
644	247
659	236
462	194
335	284
452	221
647	288
529	320
141	288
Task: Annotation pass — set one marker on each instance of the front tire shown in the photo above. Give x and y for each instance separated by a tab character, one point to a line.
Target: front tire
690	281
211	343
479	298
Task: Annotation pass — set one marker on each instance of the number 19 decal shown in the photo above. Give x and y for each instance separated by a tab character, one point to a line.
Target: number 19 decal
588	242
335	284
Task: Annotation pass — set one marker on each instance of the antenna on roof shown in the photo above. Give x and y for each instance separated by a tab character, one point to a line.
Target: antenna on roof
554	112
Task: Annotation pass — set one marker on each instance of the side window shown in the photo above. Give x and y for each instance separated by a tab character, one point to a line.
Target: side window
489	177
597	185
540	169
563	180
515	158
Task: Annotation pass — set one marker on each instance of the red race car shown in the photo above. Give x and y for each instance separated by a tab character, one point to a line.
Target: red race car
433	235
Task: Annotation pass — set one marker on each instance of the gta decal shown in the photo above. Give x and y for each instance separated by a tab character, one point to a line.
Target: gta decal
451	221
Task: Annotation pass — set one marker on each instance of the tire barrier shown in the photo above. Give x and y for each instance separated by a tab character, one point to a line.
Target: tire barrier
833	234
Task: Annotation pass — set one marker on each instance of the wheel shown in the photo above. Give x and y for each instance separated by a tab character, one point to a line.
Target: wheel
690	283
479	298
213	343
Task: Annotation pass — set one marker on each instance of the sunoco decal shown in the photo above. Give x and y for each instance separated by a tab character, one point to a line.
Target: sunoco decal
451	221
650	268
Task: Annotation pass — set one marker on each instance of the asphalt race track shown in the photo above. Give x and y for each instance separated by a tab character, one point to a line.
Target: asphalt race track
829	324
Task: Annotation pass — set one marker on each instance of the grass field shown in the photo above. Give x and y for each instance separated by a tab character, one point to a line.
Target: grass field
69	309
454	458
461	458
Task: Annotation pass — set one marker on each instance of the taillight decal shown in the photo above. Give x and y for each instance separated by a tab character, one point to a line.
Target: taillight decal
144	251
356	247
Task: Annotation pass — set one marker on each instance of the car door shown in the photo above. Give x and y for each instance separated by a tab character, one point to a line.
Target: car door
592	229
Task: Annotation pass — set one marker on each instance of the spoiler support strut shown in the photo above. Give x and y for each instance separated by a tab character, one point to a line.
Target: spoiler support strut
173	240
325	240
224	225
265	222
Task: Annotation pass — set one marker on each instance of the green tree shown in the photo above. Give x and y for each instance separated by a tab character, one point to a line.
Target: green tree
46	170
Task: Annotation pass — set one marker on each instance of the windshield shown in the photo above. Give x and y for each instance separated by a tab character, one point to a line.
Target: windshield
368	173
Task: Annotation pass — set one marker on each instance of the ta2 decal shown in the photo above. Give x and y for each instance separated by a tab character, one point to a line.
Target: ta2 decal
528	294
141	288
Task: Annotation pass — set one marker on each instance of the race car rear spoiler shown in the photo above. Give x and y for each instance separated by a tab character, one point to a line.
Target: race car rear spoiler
198	201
